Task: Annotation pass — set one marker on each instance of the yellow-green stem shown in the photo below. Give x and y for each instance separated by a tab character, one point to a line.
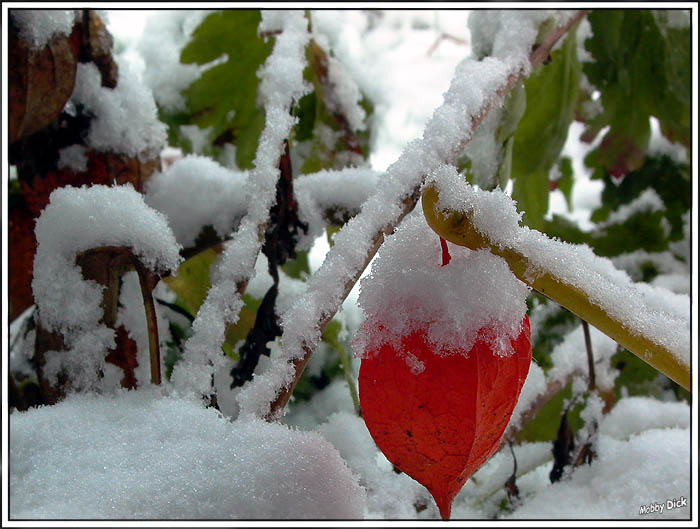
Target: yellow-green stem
458	229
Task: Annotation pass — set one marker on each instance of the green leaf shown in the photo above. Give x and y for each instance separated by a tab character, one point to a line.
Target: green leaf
332	332
298	267
566	230
505	169
636	376
305	110
531	192
669	180
544	426
565	184
239	330
552	94
191	281
642	69
224	97
513	111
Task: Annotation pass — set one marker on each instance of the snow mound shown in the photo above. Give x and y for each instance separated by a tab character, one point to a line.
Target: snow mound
145	455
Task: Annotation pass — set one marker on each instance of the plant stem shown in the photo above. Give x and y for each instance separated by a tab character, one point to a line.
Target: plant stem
147	280
589	353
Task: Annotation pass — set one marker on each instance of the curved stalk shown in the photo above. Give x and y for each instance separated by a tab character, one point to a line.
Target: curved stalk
458	229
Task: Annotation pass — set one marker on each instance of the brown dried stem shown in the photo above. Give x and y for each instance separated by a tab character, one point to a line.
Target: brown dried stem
148	280
589	354
537	57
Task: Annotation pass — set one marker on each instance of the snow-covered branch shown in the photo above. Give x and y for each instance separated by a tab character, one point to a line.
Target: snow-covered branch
281	85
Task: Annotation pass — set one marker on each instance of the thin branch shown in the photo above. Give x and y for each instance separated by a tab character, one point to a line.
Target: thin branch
148	280
589	354
537	57
445	36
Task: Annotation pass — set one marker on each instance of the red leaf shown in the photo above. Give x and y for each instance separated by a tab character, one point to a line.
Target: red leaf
440	425
22	246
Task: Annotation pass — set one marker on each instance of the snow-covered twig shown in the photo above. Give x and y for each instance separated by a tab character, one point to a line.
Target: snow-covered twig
281	85
477	87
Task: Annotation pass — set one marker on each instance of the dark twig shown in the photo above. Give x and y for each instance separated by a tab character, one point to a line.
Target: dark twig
589	353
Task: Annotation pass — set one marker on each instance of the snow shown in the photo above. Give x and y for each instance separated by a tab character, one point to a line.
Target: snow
389	495
79	219
625	476
346	94
660	145
148	455
198	138
474	296
330	195
126	118
569	357
649	201
39	26
195	192
634	415
73	157
658	314
160	46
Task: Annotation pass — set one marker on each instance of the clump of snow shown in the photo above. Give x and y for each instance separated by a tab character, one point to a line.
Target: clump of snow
408	290
160	46
506	34
145	455
21	343
76	220
569	357
664	262
73	157
195	192
651	467
482	494
672	18
484	151
659	145
198	138
346	95
583	33
659	315
649	201
39	26
634	415
338	193
125	118
535	385
389	495
334	398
